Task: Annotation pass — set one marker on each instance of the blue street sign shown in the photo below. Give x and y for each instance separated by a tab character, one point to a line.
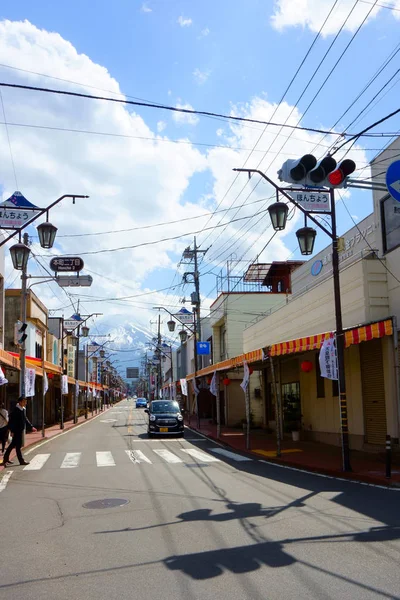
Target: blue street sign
203	347
393	180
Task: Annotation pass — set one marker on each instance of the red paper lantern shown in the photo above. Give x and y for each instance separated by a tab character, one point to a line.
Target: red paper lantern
209	380
50	375
226	381
306	366
251	370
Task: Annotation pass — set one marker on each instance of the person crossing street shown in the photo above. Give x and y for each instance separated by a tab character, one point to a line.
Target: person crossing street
17	423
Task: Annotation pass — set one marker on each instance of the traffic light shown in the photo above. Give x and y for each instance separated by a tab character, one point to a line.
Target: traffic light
307	172
19	333
295	171
337	178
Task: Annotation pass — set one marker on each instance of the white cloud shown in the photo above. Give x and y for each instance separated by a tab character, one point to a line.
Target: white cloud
312	14
145	8
185	118
161	125
201	76
131	182
204	33
184	21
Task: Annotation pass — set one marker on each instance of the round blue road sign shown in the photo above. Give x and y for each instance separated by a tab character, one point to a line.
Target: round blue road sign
393	180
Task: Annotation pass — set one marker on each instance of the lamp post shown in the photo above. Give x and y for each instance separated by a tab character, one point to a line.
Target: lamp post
306	237
20	255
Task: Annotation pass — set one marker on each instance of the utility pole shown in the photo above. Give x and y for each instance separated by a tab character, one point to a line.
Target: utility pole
191	257
24	302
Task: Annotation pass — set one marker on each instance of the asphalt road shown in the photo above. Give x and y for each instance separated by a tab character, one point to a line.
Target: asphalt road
190	523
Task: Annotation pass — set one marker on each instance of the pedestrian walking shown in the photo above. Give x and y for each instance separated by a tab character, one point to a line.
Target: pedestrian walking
17	423
3	426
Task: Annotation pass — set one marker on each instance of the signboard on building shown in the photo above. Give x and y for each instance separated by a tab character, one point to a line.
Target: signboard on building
16	211
68	264
203	348
74	281
132	373
393	180
184	316
72	323
312	201
71	360
92	348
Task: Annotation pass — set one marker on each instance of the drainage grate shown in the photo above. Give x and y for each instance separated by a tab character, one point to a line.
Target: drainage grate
106	503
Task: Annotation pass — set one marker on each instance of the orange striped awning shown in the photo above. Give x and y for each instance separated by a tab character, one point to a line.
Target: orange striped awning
311	342
365	333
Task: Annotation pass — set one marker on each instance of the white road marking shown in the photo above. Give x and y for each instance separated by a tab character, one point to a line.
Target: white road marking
108	420
4	480
201	456
137	456
71	460
37	462
167	455
232	455
105	459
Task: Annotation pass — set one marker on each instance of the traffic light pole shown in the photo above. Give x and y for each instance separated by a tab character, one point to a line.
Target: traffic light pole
344	425
338	304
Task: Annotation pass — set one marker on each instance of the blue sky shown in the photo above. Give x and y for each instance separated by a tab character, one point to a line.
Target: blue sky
218	56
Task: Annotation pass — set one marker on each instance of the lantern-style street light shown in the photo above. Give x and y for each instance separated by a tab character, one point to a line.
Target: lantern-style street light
20	256
278	211
47	234
306	237
183	336
171	325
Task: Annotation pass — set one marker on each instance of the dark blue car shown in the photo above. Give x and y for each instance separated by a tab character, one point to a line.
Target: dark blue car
141	403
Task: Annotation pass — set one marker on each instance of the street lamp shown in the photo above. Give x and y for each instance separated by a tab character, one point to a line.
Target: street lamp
102	353
85	331
19	256
278	211
47	234
183	336
306	237
171	325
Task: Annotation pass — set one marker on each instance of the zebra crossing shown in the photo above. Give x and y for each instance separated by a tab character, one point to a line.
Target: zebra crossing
106	458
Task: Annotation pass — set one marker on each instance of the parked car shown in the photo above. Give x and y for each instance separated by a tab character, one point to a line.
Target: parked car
141	403
165	417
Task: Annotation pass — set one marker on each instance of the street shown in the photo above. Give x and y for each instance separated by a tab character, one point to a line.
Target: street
103	512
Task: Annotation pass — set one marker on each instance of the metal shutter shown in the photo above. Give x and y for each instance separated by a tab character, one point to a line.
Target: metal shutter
373	389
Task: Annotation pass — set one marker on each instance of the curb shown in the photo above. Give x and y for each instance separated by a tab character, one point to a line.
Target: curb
46	439
334	473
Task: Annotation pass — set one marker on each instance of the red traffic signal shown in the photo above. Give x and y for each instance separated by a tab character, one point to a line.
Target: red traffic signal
344	169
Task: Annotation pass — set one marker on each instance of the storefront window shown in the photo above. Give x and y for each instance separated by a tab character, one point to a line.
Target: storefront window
291	406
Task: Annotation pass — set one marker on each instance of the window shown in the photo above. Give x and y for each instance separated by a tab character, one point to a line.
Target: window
320	380
390	217
222	341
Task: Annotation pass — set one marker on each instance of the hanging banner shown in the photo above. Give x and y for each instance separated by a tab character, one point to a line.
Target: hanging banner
30	376
45	383
246	376
184	387
3	379
71	360
64	384
214	385
328	359
195	388
76	389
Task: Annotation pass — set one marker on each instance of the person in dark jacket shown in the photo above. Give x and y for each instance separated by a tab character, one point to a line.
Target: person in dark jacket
17	423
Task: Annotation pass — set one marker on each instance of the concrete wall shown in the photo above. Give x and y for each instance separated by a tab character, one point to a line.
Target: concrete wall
364	298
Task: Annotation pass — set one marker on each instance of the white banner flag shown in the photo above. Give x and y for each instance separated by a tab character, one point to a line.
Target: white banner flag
184	387
214	384
328	359
246	376
30	376
3	379
64	384
195	388
76	389
45	383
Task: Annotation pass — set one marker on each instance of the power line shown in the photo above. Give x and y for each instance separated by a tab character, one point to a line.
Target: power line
165	107
9	141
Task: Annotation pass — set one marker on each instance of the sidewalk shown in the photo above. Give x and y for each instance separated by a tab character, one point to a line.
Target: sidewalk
311	456
34	438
